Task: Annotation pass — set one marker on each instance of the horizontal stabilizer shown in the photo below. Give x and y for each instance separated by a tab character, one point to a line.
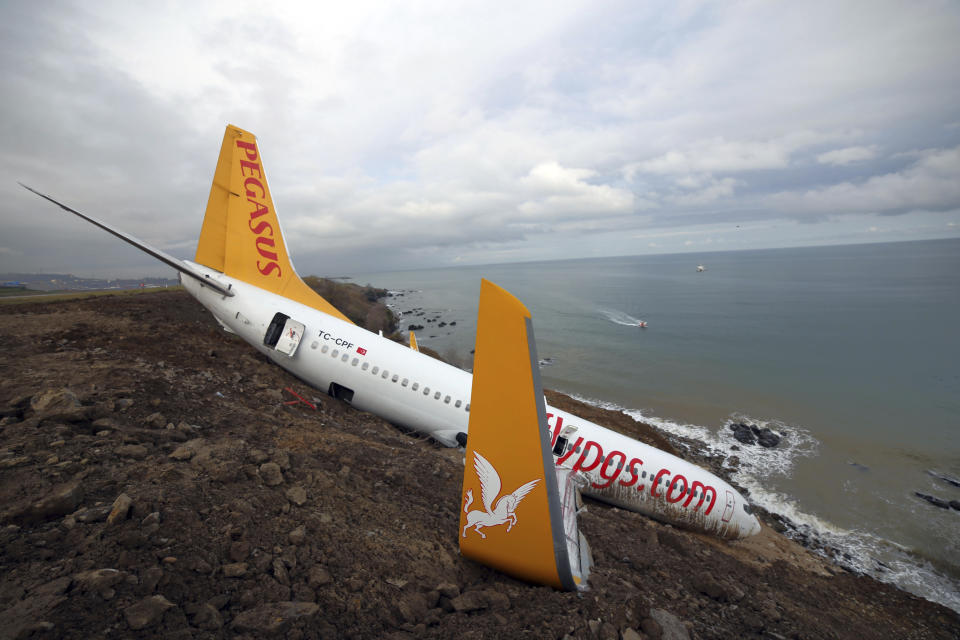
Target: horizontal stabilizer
162	256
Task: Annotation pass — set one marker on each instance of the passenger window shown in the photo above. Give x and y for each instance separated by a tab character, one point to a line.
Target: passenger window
394	378
426	391
446	400
385	374
644	475
468	407
375	371
405	381
365	366
457	404
335	353
314	344
355	362
325	349
345	357
436	396
416	385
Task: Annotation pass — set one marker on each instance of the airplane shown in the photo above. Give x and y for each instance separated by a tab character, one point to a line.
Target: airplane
242	273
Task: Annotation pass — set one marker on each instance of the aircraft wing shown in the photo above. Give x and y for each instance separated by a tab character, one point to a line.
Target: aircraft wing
162	256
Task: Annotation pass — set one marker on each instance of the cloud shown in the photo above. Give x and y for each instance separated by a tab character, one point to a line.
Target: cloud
410	135
929	183
848	155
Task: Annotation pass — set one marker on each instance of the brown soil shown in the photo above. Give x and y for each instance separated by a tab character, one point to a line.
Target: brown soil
177	495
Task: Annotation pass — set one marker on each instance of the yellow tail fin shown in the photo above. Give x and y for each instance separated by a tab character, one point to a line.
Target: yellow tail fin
241	234
511	515
413	342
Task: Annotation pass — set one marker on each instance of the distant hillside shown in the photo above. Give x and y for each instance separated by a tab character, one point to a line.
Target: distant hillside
359	303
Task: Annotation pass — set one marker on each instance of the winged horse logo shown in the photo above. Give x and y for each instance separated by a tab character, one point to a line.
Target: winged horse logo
490	485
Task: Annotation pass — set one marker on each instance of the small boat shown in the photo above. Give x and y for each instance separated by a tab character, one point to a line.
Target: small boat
701	268
642	324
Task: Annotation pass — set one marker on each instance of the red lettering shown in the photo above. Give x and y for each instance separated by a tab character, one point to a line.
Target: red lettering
616	465
269	268
256	183
673	485
703	494
656	482
634	469
261	209
572	450
251	149
578	465
252	166
262	226
266	254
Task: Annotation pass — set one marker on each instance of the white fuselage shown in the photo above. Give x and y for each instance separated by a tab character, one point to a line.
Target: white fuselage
421	393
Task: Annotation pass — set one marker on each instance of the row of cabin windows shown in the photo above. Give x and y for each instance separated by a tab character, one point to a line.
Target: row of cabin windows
643	474
386	374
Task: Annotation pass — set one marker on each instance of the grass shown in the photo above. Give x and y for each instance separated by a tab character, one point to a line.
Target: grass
10	296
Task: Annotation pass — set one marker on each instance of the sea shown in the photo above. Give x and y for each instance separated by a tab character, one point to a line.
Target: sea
850	353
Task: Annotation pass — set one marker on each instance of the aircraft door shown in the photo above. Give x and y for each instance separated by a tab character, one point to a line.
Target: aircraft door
728	510
284	334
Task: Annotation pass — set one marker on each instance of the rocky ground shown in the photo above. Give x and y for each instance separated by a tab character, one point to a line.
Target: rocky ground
156	482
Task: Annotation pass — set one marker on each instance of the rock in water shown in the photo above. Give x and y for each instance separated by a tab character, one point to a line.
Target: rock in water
752	434
767	438
935	501
743	433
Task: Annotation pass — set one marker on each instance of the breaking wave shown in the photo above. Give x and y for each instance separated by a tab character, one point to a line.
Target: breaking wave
854	550
621	318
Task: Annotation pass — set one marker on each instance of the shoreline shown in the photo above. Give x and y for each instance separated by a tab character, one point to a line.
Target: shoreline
851	550
806	535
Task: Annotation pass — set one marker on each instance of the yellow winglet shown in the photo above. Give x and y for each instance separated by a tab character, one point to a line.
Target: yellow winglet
241	234
413	342
511	515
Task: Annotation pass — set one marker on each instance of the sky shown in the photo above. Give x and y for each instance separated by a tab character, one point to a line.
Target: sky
430	134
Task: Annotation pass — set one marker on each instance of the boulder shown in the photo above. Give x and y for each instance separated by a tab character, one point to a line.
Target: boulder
135	451
298	535
412	607
767	438
297	495
752	434
743	433
146	612
273	618
672	627
100	581
63	500
271	474
705	583
120	509
318	576
50	402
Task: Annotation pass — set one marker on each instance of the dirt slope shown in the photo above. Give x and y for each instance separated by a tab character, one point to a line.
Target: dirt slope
171	492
